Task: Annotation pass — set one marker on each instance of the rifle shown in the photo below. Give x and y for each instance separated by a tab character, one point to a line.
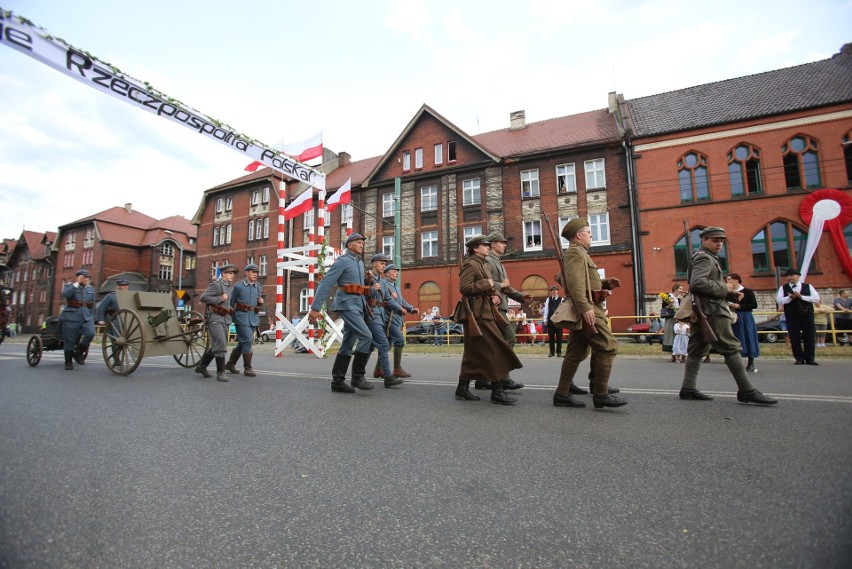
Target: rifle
588	329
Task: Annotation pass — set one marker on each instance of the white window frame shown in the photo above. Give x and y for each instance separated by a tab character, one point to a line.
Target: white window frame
229	203
471	192
213	266
250	260
388	245
309	220
387	205
599	224
228	234
567	174
346	214
428	197
406	161
251	230
167	249
303	300
439	154
563	221
258	230
468	232
266	228
165	273
262	265
215	236
530	233
428	244
266	194
529	183
595	174
418	158
255	197
220	205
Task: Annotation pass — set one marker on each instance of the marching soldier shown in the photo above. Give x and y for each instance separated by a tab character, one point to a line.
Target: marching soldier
395	307
380	318
246	302
217	297
77	318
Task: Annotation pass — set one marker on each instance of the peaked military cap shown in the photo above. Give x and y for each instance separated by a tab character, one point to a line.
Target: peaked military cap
496	236
380	257
572	227
122	282
251	267
82	272
711	232
354	237
229	268
389	267
477	240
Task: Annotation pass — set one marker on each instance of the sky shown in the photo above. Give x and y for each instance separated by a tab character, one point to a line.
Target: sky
356	70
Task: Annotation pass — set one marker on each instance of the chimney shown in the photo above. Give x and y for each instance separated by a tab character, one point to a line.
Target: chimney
345	158
128	207
517	120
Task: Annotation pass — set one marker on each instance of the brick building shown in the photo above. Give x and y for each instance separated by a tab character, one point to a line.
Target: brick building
30	268
742	154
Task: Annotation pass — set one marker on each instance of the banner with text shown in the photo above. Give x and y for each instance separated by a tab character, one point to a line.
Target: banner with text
22	35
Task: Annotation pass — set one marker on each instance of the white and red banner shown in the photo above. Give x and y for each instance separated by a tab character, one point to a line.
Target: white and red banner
826	209
36	42
302	204
341	196
302	151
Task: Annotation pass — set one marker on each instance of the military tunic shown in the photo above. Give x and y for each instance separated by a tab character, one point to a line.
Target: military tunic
377	323
77	318
498	275
244	302
347	269
217	321
396	306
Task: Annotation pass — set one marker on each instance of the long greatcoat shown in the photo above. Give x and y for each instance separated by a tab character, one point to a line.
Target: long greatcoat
487	357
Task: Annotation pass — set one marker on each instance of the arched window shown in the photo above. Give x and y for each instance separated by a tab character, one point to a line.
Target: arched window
693	178
536	286
744	170
847	154
801	163
779	244
429	294
682	256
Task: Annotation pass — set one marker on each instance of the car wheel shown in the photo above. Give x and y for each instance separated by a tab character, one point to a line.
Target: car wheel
771	337
642	338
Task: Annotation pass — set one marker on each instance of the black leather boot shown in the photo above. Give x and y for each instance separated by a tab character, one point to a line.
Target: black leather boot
359	371
610	390
463	391
601	401
338	374
68	363
479	384
220	369
80	353
499	396
231	366
201	368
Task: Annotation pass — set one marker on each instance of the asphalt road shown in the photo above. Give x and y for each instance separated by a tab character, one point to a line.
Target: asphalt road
166	469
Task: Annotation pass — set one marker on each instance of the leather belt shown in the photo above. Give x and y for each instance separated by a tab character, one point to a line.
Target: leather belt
219	310
597	296
355	289
78	304
246	308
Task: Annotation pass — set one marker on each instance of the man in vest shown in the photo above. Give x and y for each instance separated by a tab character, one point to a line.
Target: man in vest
798	300
554	332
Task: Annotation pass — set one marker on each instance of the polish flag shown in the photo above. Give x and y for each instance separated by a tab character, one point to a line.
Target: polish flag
342	195
299	151
302	204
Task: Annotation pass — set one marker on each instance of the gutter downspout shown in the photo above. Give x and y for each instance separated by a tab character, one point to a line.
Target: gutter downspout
638	268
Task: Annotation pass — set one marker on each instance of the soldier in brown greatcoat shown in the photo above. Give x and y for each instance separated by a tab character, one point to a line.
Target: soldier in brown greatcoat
486	357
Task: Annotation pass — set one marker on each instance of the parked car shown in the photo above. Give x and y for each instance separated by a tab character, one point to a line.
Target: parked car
422	333
268	335
642	333
770	331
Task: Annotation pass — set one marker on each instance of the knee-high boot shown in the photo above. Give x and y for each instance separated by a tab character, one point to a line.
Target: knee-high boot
220	369
359	370
201	368
231	366
247	369
463	391
397	362
68	363
338	374
498	395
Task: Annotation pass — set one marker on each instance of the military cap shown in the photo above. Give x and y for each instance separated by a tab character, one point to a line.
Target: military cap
251	267
229	268
791	272
554	287
477	240
380	257
496	236
572	227
122	282
354	237
389	267
711	232
82	272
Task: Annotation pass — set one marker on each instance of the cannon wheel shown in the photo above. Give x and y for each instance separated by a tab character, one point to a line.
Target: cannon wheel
195	339
34	348
123	342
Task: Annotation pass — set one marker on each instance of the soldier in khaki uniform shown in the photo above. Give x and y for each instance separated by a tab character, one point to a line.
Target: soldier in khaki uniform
603	345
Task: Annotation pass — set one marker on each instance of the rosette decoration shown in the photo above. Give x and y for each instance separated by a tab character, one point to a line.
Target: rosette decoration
826	209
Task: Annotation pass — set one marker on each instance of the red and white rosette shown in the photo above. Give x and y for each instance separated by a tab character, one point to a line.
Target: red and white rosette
826	209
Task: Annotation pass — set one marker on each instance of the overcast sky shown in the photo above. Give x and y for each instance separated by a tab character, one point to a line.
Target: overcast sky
358	71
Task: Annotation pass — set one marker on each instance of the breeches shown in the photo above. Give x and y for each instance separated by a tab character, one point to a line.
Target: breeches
218	333
245	336
356	333
74	331
395	336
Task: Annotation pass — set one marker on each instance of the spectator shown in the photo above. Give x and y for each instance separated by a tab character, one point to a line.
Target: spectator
843	314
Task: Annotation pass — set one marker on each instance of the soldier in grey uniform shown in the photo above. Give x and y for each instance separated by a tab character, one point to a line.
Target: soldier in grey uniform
505	290
246	302
706	281
347	273
217	298
380	319
109	305
78	318
395	307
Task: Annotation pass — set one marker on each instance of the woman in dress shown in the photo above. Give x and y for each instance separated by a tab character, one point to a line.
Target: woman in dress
487	356
744	328
681	341
667	314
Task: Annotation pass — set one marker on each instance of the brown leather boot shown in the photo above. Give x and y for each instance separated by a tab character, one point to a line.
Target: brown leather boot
399	372
231	366
247	364
377	372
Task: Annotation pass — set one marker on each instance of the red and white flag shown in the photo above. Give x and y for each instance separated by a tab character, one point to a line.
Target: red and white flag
342	195
301	151
302	204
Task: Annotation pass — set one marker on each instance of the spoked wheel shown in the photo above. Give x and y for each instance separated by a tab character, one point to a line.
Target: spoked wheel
34	348
123	342
195	340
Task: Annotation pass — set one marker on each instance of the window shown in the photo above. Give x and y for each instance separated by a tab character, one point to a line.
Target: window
682	256
387	205
470	192
744	170
213	266
228	234
309	220
258	230
89	241
388	245
250	260
779	244
220	205
346	213
801	163
566	179
406	161
266	194
595	176
165	272
262	266
189	263
429	244
229	203
251	230
167	250
529	183
532	235
470	232
439	154
69	260
215	236
692	177
70	241
255	197
88	256
429	198
451	151
266	228
563	221
303	300
599	224
418	158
